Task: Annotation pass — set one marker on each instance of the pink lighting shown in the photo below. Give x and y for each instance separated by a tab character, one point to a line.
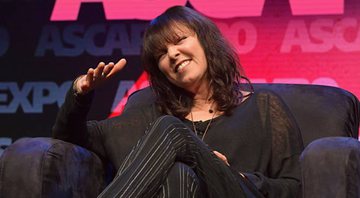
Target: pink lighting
317	7
68	10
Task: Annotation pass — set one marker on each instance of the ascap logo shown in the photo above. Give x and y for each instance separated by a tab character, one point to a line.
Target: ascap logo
322	35
68	10
96	40
103	40
317	35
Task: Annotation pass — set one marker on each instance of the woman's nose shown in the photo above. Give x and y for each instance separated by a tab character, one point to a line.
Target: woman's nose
173	52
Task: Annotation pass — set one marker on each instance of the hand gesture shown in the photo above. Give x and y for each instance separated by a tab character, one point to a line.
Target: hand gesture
95	77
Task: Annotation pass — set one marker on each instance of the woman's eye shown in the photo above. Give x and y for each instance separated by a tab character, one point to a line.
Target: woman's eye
181	39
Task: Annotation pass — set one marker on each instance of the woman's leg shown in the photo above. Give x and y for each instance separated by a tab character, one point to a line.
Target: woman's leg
181	182
149	163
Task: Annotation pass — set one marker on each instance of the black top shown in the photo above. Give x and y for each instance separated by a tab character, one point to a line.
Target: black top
260	138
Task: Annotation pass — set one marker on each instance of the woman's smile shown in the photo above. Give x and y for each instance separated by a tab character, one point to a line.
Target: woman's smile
179	67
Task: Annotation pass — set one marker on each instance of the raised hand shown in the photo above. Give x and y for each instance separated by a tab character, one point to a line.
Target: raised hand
95	77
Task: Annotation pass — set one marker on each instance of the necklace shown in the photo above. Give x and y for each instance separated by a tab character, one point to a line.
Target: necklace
207	127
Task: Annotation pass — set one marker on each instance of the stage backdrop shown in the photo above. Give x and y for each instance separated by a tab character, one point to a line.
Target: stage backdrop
45	44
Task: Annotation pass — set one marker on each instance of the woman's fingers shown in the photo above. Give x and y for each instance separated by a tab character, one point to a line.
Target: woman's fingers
89	77
117	67
95	77
98	71
107	69
222	157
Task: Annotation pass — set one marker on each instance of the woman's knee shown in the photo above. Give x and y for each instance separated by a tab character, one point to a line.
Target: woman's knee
183	180
183	170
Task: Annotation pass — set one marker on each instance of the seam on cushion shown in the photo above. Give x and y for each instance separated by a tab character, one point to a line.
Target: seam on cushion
42	168
53	144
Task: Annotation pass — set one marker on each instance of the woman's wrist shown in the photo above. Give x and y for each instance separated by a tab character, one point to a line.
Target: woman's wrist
76	89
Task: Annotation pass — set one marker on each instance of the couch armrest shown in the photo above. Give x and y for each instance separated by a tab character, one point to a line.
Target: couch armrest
331	168
46	167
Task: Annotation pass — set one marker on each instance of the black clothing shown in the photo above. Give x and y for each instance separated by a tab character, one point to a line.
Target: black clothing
167	142
260	138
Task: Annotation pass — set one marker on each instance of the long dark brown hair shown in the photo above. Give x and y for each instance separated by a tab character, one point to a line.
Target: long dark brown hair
224	71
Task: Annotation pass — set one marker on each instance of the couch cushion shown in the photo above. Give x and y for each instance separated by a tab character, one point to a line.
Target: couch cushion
45	167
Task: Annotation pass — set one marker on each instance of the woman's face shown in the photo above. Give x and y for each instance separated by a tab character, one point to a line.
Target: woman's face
183	62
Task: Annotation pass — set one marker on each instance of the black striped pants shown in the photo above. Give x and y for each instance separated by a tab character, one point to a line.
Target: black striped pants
170	161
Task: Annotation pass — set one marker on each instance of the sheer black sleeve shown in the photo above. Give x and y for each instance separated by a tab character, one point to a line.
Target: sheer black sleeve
71	123
284	174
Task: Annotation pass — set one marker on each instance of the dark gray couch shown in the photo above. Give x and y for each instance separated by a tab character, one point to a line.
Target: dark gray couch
328	118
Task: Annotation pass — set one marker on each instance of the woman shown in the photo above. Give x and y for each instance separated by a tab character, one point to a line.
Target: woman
204	135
